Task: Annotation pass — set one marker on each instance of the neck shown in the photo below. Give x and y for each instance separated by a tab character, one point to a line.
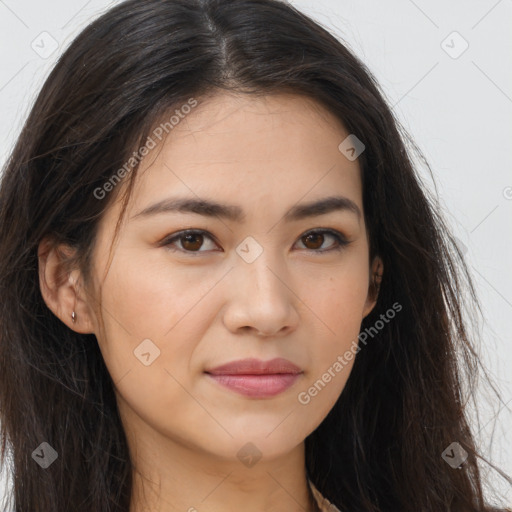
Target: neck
220	486
168	476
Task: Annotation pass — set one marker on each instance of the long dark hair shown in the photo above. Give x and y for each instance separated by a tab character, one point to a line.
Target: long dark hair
380	448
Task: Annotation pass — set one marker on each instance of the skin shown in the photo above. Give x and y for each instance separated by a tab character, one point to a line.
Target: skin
208	307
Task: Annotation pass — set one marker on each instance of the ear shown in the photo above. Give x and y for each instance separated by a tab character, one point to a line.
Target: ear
376	273
61	287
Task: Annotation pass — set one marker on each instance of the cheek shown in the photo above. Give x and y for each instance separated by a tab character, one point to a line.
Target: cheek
145	299
337	308
339	300
150	296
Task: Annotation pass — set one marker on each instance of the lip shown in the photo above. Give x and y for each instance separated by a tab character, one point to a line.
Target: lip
256	378
253	366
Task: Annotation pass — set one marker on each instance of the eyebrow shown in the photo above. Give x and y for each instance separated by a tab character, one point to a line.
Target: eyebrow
235	213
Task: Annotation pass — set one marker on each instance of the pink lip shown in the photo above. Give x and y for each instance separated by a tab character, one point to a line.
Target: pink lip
256	378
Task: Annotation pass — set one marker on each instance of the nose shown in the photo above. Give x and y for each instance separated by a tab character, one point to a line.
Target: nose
261	299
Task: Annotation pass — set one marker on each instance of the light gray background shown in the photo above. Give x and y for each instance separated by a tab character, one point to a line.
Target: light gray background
457	107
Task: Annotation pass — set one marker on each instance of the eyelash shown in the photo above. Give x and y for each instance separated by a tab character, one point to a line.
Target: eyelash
340	240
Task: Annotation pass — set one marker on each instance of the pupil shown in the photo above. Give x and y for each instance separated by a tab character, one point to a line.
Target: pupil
188	238
318	236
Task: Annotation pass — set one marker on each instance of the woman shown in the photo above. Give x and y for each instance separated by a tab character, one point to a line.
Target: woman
223	284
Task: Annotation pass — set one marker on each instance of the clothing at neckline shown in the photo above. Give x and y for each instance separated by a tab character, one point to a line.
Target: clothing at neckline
323	503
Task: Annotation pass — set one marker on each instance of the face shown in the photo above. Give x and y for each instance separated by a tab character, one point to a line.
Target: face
263	279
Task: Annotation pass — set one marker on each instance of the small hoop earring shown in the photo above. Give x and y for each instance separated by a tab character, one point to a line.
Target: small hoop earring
73	317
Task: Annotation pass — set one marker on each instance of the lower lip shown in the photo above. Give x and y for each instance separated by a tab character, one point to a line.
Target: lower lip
258	386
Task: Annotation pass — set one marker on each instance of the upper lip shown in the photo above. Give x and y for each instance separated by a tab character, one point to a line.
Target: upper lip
253	366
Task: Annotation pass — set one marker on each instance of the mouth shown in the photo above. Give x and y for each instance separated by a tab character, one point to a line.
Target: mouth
256	378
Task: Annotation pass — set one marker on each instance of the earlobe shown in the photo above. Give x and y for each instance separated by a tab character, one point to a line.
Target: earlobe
60	287
376	273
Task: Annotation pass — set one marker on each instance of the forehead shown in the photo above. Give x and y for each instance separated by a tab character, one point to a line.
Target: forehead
263	153
221	122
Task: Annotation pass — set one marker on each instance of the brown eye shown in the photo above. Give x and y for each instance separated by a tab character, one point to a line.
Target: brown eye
192	242
315	239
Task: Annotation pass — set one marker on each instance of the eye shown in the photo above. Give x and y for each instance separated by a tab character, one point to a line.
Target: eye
316	239
191	240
